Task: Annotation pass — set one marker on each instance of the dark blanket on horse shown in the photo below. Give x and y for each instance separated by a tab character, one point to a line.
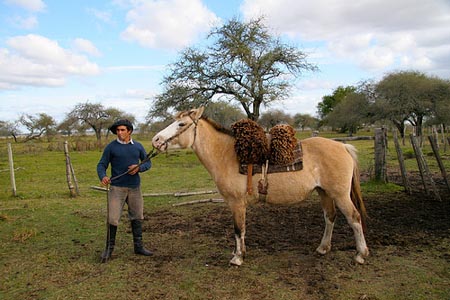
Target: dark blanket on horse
296	165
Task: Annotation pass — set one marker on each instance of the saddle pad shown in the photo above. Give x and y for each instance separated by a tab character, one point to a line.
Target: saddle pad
296	165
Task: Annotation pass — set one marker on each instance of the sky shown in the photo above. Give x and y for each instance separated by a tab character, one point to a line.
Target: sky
56	54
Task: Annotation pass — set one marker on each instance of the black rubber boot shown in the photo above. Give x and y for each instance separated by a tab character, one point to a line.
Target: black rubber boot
136	227
110	243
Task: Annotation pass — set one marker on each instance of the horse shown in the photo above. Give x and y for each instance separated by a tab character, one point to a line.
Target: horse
329	167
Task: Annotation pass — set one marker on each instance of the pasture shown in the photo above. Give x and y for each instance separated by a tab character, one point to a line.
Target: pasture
51	243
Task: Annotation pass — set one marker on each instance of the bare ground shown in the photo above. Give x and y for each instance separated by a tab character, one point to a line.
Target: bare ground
401	228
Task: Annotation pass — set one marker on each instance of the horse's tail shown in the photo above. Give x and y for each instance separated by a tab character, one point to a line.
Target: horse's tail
355	192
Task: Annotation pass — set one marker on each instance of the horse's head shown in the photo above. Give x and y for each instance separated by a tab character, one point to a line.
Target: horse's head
179	134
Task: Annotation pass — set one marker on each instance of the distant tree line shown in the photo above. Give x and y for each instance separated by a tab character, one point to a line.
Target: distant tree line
398	98
245	67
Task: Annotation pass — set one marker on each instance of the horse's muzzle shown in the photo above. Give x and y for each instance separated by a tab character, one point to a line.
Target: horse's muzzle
159	143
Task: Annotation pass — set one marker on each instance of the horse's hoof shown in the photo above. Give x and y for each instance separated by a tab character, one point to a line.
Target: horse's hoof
323	250
236	261
359	259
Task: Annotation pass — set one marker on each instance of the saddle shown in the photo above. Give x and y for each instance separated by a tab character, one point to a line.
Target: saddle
279	151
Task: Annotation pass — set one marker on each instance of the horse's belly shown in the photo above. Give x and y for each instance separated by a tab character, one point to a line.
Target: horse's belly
288	189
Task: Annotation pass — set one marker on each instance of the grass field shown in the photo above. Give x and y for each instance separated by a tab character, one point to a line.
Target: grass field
50	242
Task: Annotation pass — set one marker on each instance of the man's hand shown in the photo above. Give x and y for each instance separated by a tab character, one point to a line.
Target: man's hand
106	180
133	169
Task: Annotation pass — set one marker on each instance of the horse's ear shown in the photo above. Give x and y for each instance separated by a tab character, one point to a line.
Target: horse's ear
197	113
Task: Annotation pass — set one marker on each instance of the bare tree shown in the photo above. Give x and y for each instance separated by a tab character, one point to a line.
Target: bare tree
244	64
272	118
223	113
38	125
9	128
97	117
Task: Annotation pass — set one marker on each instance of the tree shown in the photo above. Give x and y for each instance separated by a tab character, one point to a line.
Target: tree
68	125
272	118
97	117
329	102
350	113
244	64
304	121
9	128
441	102
406	96
223	113
38	125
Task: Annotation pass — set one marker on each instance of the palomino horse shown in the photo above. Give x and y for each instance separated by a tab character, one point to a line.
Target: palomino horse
329	167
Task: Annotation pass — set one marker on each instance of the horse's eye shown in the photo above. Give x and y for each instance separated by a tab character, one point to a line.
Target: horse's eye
181	124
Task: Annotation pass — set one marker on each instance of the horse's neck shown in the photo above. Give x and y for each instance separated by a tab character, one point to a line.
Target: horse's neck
214	149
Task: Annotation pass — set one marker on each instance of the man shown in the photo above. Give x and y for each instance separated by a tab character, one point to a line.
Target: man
124	155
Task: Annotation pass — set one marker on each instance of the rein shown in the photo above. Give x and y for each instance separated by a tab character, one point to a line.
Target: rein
150	155
155	151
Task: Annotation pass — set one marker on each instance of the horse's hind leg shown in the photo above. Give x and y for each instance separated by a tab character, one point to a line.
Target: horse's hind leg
329	213
353	217
239	212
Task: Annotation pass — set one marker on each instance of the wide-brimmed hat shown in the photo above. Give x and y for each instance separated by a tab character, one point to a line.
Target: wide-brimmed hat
122	122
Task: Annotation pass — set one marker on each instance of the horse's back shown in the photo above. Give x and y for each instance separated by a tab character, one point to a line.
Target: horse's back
331	161
325	151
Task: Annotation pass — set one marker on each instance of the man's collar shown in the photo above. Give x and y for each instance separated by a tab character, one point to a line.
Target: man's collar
124	143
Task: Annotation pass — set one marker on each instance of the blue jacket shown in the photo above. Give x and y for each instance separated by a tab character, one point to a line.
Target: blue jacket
120	156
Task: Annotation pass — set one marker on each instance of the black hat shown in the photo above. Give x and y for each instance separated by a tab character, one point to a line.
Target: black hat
123	122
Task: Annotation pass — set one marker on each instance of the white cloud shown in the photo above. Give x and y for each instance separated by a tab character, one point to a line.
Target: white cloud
315	84
375	34
38	61
104	16
32	5
137	68
27	23
167	24
376	58
86	46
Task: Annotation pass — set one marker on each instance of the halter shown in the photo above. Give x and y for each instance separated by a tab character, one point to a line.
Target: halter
182	131
153	153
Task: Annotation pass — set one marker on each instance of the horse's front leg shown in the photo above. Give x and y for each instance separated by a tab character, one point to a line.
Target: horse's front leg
238	211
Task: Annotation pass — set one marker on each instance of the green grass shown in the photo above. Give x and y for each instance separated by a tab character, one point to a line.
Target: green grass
50	243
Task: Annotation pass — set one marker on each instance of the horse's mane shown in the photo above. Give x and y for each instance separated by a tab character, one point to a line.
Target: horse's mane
217	126
213	123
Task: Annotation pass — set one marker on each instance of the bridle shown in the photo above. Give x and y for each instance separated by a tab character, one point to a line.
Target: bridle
194	122
156	151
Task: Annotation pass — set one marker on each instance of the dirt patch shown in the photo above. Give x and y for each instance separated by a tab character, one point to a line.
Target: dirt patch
399	225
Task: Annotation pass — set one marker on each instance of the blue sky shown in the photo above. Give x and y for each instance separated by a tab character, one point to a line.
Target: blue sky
56	54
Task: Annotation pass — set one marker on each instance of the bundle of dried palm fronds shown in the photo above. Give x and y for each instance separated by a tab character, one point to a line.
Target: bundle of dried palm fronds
251	144
282	144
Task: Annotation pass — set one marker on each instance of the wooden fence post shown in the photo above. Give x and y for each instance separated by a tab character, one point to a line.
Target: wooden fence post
401	162
380	154
73	193
439	160
11	170
423	168
444	141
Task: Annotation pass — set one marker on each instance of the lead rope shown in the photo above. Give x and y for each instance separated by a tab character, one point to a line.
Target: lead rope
149	156
153	153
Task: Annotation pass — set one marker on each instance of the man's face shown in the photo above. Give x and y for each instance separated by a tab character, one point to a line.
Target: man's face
123	134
